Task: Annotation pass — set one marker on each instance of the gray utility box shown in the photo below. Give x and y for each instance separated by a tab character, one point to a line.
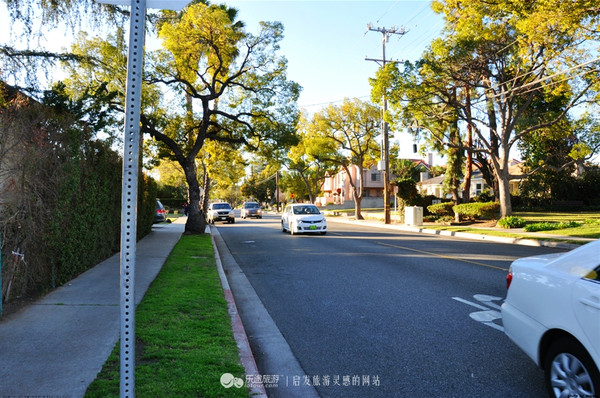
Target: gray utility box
413	215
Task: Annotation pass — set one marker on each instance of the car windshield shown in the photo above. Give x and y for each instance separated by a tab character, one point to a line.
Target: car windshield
251	205
306	210
218	206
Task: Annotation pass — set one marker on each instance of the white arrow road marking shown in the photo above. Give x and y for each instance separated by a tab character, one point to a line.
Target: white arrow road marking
484	298
487	316
481	307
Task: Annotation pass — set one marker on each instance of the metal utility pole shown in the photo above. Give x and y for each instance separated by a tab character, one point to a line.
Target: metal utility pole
129	197
385	153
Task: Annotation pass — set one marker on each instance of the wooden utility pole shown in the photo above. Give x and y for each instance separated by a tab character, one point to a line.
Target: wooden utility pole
469	167
385	147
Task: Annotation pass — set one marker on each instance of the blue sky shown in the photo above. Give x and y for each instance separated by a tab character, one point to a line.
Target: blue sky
326	42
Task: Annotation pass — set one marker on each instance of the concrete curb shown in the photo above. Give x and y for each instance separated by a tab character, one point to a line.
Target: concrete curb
462	235
239	333
277	359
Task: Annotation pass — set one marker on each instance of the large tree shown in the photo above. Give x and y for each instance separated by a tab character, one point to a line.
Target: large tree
346	136
234	86
498	58
306	172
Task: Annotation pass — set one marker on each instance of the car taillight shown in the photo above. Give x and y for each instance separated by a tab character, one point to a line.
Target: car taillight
508	280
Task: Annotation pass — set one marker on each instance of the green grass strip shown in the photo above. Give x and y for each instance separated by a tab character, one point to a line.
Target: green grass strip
184	340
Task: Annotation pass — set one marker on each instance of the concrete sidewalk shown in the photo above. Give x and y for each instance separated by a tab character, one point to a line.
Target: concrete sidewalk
56	346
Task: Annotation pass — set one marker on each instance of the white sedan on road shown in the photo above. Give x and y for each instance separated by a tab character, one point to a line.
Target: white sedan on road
303	218
552	312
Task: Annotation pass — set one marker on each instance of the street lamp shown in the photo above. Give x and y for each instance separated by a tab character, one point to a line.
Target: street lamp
131	154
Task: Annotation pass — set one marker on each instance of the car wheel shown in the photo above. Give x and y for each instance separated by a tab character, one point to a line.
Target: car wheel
570	371
282	227
233	221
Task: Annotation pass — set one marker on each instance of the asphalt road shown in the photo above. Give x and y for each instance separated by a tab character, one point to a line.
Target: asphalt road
379	313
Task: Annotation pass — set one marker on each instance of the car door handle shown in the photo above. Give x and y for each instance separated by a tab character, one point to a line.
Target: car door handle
594	302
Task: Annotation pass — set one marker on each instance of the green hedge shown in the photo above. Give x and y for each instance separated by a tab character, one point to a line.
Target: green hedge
147	190
64	214
85	218
477	210
85	225
441	209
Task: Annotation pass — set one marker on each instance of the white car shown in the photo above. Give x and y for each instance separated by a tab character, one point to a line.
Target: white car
220	212
303	218
552	312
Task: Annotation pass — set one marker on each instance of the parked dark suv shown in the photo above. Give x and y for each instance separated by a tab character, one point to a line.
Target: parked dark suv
160	215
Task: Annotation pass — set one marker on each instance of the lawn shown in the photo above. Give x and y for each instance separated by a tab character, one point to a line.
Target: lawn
184	340
531	216
589	230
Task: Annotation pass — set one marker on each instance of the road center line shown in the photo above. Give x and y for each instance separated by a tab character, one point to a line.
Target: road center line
442	256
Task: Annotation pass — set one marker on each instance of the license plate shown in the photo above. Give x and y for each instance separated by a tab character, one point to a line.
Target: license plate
313	227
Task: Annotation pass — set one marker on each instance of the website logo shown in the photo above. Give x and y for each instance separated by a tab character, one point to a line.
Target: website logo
228	380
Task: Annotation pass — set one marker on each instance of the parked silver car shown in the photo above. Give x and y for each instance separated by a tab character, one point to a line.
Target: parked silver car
251	209
221	211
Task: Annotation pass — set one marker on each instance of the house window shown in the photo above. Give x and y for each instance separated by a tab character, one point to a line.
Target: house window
376	176
478	189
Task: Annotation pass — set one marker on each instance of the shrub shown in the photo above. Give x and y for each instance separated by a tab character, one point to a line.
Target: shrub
445	219
407	190
485	196
441	209
430	218
511	222
477	210
550	226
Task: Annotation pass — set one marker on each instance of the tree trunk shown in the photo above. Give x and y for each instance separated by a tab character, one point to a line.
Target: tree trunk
311	195
196	222
504	195
357	205
205	190
358	193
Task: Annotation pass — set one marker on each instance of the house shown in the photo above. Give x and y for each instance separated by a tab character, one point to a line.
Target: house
434	186
336	189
